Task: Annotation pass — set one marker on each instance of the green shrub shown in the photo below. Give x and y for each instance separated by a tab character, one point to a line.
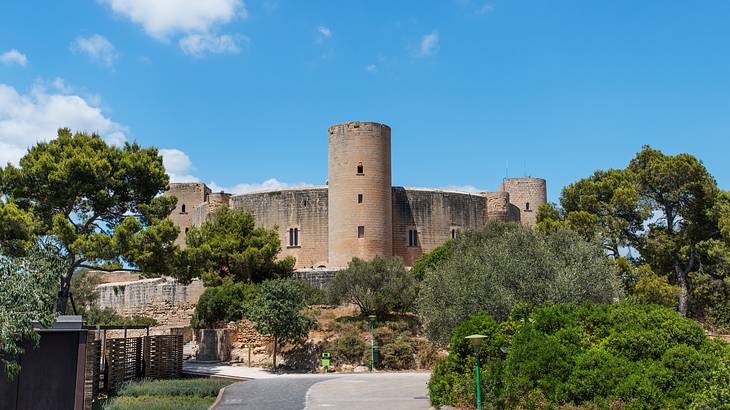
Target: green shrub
198	387
652	288
159	403
226	303
398	354
350	348
593	356
376	287
507	265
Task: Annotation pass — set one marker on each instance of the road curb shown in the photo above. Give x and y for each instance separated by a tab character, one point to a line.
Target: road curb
217	399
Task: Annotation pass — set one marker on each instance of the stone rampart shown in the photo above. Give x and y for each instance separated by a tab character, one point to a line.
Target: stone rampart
164	299
303	209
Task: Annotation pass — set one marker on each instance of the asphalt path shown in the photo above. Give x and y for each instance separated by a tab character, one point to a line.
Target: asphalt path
397	391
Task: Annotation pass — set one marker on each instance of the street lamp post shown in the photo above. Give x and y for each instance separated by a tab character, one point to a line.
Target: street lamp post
476	341
372	342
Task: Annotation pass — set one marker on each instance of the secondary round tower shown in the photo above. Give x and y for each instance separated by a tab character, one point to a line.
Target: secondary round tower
360	200
527	194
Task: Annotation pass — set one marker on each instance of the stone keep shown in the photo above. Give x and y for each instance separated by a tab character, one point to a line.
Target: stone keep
360	192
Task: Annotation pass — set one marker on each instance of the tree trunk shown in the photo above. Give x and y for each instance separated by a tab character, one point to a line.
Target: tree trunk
682	279
274	353
684	296
63	292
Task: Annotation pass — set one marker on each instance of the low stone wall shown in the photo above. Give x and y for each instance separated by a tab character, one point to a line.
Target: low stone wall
166	300
318	277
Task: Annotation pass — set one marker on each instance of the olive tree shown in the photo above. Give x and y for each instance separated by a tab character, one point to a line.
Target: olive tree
506	264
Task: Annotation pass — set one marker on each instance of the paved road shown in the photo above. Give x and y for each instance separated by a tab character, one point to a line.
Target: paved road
398	391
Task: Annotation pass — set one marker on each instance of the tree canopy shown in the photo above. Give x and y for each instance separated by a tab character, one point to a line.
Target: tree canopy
377	287
230	247
278	311
507	264
95	204
27	294
666	207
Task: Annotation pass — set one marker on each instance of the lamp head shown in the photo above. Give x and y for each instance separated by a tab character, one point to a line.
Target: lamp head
475	340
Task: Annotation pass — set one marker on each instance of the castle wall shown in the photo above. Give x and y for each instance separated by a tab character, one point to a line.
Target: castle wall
527	195
189	195
164	299
434	214
359	167
304	209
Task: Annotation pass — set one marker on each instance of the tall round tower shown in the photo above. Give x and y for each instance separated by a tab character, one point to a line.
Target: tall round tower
526	194
360	194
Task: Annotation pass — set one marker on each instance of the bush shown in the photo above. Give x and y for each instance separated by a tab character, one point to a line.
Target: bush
594	356
507	264
398	354
174	387
226	303
652	288
376	287
350	348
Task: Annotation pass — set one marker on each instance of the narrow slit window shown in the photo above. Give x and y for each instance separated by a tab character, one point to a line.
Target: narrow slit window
453	234
412	237
183	209
359	198
293	236
527	206
360	231
360	169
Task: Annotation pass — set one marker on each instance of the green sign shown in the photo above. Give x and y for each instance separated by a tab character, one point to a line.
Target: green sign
326	359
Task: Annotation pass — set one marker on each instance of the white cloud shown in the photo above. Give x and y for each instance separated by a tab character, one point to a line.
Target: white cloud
97	48
485	9
14	57
163	18
371	68
269	184
465	188
199	45
26	119
429	44
178	165
325	32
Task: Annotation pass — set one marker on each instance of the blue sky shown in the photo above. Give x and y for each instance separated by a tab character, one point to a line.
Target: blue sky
239	93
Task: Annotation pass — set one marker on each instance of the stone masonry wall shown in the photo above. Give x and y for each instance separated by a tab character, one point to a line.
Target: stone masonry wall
304	209
433	214
164	299
189	195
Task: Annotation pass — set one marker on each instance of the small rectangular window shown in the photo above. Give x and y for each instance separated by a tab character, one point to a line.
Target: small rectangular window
293	236
453	234
360	231
527	206
359	198
360	169
412	237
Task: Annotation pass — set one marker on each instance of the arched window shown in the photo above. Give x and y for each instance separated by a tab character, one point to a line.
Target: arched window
412	237
183	209
360	169
527	206
293	236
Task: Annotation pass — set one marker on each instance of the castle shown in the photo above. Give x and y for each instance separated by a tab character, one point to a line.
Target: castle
358	213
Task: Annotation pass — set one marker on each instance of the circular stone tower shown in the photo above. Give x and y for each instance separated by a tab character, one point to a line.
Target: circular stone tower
359	192
527	194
